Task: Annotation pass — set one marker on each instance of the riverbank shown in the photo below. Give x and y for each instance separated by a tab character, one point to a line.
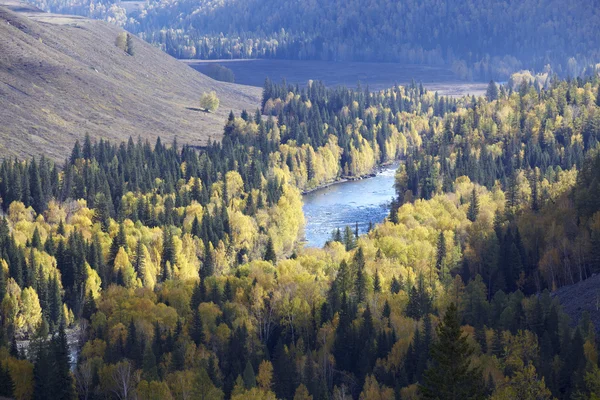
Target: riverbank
361	201
377	170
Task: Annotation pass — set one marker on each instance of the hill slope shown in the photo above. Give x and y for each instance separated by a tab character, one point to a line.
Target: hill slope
62	77
580	297
481	39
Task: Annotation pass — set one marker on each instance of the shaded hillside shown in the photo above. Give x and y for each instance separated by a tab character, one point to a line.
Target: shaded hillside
479	39
580	297
62	77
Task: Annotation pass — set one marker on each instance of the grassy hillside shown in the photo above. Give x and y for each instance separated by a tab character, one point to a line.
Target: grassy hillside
62	77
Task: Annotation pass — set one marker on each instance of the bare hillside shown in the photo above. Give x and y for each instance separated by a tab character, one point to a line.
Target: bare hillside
580	297
63	76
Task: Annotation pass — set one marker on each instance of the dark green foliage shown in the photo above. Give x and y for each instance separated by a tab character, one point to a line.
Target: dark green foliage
492	91
6	382
197	328
248	376
450	375
473	206
62	385
270	252
149	369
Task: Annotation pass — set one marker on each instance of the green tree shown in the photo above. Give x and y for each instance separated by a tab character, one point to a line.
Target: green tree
270	252
450	375
249	376
473	211
492	91
38	200
62	387
204	388
150	371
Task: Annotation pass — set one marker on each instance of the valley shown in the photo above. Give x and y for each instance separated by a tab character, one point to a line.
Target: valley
377	76
318	230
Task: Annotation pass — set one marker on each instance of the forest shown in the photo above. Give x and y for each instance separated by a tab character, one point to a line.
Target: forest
179	272
478	40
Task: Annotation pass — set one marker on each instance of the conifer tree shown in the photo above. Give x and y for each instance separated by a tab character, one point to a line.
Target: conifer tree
197	329
249	376
473	206
395	285
450	375
150	371
492	91
270	252
38	201
376	283
62	380
441	255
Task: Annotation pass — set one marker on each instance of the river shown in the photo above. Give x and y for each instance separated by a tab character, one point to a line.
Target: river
347	203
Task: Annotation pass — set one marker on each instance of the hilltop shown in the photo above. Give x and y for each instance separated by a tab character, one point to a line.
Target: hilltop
63	76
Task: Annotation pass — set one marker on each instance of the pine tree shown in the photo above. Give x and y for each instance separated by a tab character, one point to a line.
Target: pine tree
492	91
149	369
270	252
450	375
376	283
62	387
349	241
395	286
54	301
441	255
197	329
102	211
249	376
43	382
38	200
36	241
473	211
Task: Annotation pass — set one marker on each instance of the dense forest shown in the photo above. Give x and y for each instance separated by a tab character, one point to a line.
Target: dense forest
179	273
479	40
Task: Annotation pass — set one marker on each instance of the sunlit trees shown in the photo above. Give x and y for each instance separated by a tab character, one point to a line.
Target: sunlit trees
209	101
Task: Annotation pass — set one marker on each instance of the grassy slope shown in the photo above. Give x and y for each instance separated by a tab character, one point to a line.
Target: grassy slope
63	76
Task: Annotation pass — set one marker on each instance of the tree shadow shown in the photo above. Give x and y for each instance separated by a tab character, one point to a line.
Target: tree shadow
197	109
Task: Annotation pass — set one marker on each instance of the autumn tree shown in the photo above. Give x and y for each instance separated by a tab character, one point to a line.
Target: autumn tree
209	101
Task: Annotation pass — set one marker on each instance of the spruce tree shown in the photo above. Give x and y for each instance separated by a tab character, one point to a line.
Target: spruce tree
450	375
38	200
43	381
441	255
270	252
149	369
492	91
473	206
197	328
62	381
249	376
376	283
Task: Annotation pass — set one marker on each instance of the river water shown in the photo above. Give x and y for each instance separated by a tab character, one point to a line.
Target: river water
347	203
